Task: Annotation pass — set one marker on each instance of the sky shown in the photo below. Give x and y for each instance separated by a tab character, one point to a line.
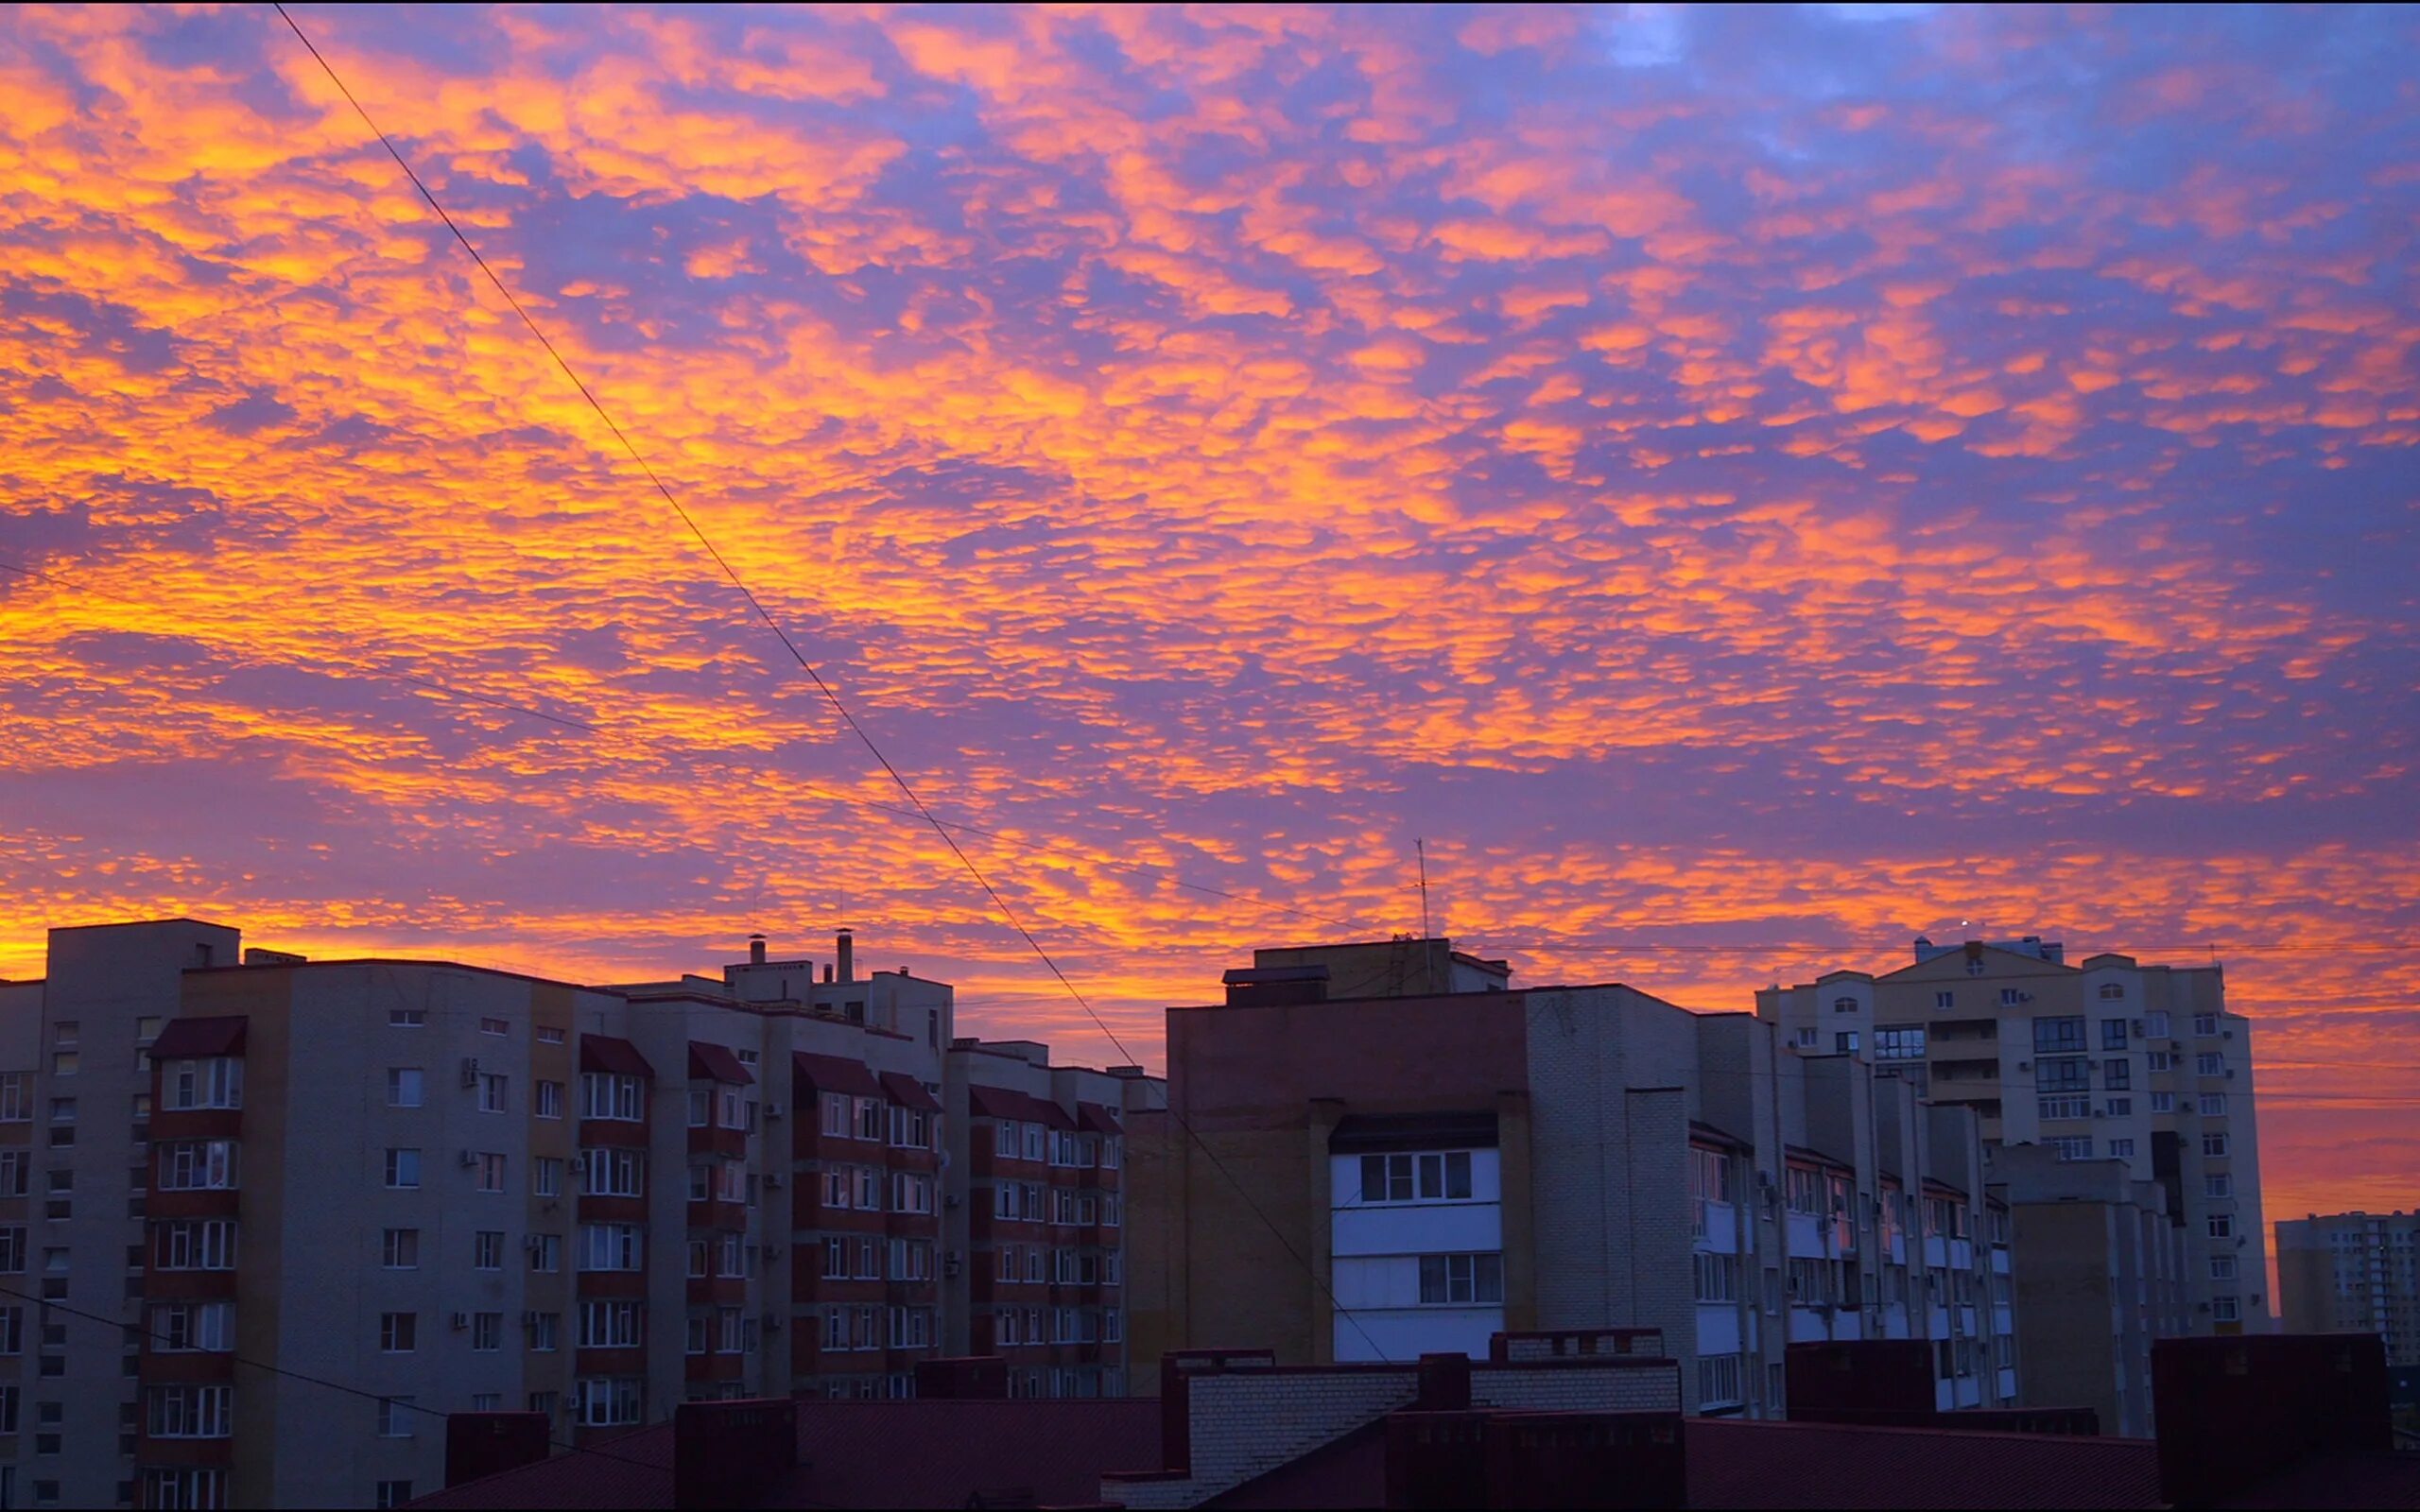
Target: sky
1742	487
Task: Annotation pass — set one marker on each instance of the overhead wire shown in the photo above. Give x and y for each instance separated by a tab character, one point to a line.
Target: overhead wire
830	693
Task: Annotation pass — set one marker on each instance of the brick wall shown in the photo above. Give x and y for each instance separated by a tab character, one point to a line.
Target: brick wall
1250	1422
1564	1389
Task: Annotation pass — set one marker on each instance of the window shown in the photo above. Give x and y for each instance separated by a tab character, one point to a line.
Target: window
2163	1102
404	1086
2072	1146
2214	1145
1717	1380
1447	1280
613	1173
543	1402
1808	1038
546	1175
604	1095
214	1083
195	1165
2067	1074
1844	1042
702	1106
871	1121
2155	1024
609	1246
1805	1190
1718	1278
2121	1149
399	1250
2113	1033
398	1332
487	1330
494	1091
1844	1004
2226	1308
550	1099
184	1328
65	1034
2221	1267
2221	1225
2058	1036
191	1411
2112	992
2116	1073
2217	1184
1899	1041
62	1109
390	1494
12	1251
63	1062
490	1173
546	1253
545	1332
12	1331
403	1169
836	1125
2011	997
495	1026
607	1404
548	1035
395	1417
1944	1000
487	1249
1975	966
2214	1105
1709	1177
195	1244
2209	1063
2067	1106
2205	1026
2120	1108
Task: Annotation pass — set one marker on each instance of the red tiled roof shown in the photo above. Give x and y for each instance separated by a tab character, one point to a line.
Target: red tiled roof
870	1454
618	1058
835	1074
1094	1118
199	1039
716	1063
908	1092
1006	1102
1736	1464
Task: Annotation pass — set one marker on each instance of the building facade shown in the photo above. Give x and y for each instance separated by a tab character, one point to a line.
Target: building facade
1372	1179
2354	1273
2108	1060
416	1188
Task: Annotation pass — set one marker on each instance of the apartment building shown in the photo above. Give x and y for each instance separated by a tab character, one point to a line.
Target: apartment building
1038	1214
2105	1059
1371	1178
417	1188
2354	1273
2102	1272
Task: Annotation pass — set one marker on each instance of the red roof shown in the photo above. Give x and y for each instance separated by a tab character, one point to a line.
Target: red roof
835	1074
908	1092
1738	1464
1007	1102
871	1454
199	1039
715	1062
618	1058
1094	1118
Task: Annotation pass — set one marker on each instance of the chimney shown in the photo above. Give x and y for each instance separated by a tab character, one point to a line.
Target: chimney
1444	1383
756	950
848	954
827	973
489	1443
734	1453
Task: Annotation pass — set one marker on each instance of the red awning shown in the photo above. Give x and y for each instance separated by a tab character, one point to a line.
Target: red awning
835	1074
712	1062
908	1092
1094	1118
1005	1102
199	1039
617	1057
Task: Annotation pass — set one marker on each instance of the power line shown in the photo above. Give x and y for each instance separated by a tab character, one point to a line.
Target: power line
831	695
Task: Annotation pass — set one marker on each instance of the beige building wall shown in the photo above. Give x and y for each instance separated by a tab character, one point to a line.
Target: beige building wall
2354	1273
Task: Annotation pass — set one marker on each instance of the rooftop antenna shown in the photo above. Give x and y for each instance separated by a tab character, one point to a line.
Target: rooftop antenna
1419	848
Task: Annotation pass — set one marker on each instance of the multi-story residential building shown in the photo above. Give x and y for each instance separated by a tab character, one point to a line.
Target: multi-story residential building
1372	1179
2354	1273
1036	1227
2110	1058
2101	1274
303	1208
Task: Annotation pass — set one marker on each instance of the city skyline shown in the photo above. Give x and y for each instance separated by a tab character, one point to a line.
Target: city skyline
1771	484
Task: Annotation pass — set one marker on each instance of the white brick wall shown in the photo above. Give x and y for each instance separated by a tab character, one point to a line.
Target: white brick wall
1248	1422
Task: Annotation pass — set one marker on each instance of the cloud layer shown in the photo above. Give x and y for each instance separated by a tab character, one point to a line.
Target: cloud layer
1769	482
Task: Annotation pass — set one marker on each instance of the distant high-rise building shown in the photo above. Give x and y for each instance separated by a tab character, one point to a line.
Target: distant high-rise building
2354	1273
418	1188
1416	1168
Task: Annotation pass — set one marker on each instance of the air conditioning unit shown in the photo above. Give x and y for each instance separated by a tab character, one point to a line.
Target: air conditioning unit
772	1322
950	1201
773	1251
774	1181
470	1070
950	1262
533	1242
461	1321
528	1317
470	1158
